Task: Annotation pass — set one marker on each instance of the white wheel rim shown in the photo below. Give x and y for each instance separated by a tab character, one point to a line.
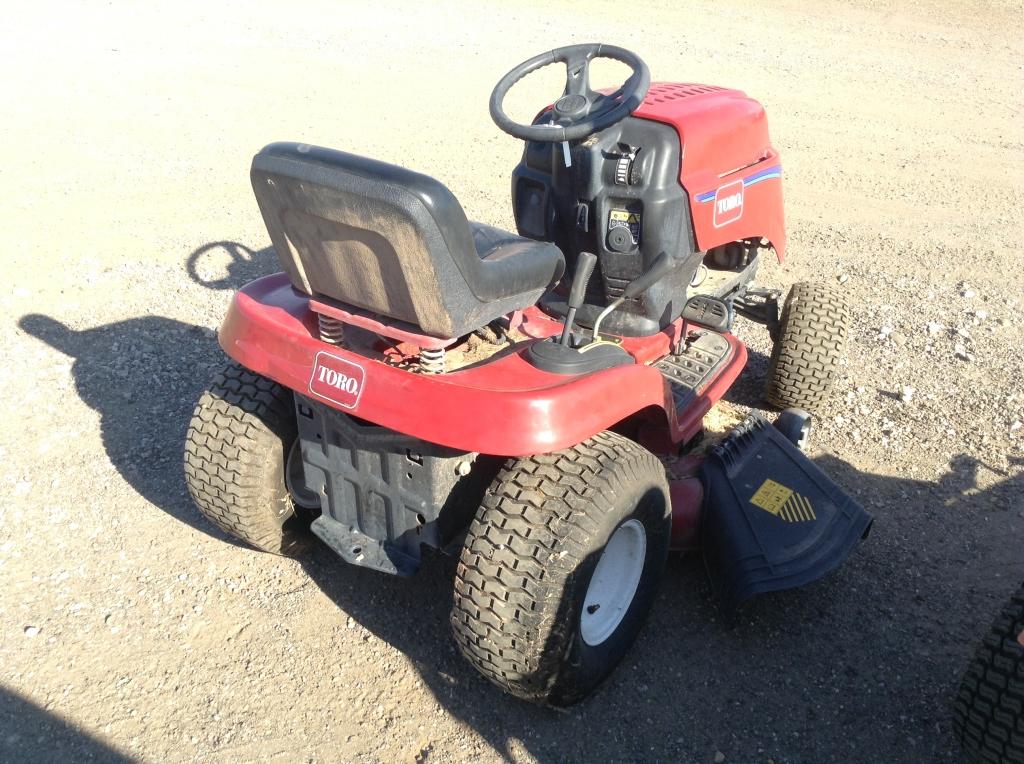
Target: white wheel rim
613	585
804	439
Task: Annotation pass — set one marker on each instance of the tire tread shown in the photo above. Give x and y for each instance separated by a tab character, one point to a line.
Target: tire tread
988	713
531	530
238	419
814	324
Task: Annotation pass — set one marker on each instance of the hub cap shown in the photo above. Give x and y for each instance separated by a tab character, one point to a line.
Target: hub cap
614	582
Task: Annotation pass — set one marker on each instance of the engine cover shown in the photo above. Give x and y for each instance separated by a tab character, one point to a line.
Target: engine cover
692	170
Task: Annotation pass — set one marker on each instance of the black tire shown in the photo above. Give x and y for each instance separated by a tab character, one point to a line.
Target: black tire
241	433
812	335
531	553
988	714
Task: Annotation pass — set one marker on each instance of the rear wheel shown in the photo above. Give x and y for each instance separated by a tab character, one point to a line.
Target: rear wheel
988	714
560	567
812	335
243	466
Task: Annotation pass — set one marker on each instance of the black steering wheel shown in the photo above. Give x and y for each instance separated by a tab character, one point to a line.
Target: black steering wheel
580	111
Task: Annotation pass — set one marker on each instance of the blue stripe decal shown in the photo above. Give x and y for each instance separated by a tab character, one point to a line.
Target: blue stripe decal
768	173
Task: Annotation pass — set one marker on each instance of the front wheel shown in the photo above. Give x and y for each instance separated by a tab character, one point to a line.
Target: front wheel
560	567
805	356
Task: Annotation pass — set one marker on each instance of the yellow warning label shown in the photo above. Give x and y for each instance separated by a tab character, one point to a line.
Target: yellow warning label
623	216
783	502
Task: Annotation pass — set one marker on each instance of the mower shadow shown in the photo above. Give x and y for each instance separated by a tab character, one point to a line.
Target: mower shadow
143	376
234	264
30	733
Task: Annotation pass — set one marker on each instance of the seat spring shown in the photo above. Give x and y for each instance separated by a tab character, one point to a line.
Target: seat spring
432	361
331	329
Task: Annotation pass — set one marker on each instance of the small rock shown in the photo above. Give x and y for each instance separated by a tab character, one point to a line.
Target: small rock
884	332
843	279
961	352
981	315
962	332
934	327
31	631
907	393
719	757
1016	426
350	623
898	338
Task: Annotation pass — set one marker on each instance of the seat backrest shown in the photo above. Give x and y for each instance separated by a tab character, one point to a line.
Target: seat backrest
369	234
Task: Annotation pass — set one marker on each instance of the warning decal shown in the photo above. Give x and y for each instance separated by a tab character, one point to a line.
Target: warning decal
784	503
625	219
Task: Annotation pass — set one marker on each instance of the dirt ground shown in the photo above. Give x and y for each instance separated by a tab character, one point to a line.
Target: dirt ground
133	630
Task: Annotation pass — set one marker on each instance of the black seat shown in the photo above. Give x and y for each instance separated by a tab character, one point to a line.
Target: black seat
393	242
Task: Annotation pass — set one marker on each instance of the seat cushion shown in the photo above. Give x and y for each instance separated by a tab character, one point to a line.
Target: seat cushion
513	263
393	242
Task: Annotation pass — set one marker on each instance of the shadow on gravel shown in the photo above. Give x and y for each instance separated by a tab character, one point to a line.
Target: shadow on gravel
238	263
29	733
143	376
748	390
861	666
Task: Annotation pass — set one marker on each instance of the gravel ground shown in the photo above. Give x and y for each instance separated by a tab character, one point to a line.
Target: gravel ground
132	629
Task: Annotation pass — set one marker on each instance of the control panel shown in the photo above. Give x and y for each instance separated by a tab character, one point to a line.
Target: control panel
618	196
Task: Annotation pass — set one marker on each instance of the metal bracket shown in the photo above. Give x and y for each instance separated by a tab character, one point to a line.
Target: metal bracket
760	305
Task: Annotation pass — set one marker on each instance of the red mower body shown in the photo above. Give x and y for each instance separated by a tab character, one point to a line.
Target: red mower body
504	406
731	172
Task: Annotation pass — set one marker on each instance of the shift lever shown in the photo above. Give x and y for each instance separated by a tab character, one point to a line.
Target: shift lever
663	265
584	269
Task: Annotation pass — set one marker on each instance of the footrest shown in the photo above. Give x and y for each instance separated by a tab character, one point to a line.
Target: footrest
704	351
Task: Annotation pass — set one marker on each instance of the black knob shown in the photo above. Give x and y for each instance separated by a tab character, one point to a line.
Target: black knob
620	239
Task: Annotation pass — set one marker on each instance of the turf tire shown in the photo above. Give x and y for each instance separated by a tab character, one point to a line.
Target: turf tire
988	713
529	557
241	431
812	334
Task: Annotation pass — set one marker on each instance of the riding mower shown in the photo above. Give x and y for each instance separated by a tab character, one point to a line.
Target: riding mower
534	400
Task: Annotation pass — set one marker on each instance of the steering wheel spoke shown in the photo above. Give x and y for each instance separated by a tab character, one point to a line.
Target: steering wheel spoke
580	111
577	76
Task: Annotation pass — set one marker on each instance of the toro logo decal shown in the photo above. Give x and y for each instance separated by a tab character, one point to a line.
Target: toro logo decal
337	380
728	203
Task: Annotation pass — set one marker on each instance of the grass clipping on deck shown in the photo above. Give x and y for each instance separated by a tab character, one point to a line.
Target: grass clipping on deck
718	423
